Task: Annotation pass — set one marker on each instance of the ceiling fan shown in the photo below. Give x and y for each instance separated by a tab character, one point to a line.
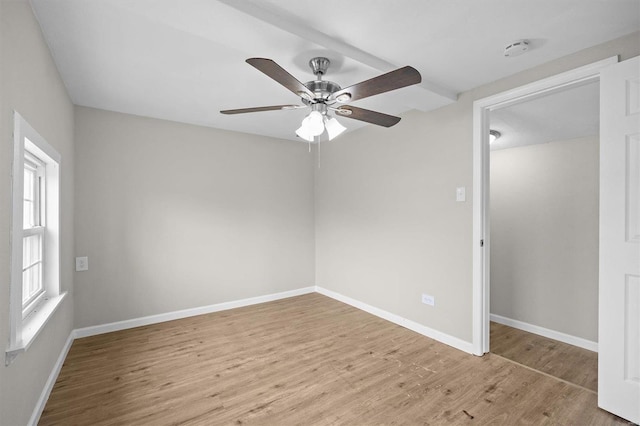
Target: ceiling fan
322	96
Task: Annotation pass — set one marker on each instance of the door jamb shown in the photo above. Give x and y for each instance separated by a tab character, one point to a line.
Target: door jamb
481	109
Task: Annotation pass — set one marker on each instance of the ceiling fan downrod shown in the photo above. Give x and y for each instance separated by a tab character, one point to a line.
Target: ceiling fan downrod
321	89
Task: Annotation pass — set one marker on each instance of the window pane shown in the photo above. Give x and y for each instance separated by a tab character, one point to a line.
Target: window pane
29	179
31	250
37	282
27	242
36	248
26	250
26	283
31	282
32	267
28	212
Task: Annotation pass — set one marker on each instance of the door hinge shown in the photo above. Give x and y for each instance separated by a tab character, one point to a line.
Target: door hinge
481	243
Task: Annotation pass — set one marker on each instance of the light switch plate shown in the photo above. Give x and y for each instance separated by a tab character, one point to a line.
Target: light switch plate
82	263
461	193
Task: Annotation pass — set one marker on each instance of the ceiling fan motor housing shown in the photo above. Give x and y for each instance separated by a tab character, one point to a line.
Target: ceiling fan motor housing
321	89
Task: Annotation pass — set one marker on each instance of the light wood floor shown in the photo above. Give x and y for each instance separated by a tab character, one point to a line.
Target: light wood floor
306	360
567	362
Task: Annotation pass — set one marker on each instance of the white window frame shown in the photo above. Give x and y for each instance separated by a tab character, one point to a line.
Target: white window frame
26	321
39	228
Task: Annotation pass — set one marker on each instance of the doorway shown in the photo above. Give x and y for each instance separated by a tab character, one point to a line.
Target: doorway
481	159
619	301
543	213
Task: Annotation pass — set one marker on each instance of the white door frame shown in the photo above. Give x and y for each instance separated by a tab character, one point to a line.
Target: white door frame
481	243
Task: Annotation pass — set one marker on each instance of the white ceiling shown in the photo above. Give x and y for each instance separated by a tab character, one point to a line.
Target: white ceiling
569	114
183	60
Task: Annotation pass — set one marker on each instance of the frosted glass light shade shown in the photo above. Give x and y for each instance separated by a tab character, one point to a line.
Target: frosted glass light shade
304	133
333	126
314	124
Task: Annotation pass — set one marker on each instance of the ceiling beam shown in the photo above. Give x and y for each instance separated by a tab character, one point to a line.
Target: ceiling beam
260	12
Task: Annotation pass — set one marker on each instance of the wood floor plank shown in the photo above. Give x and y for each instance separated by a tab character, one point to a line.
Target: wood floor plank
307	360
558	359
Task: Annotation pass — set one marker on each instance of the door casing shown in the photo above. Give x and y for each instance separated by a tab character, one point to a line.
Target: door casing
481	232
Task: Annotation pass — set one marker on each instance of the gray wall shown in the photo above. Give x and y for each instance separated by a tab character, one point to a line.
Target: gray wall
544	235
175	216
388	227
30	84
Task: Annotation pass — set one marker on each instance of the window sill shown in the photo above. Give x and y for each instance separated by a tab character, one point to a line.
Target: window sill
32	325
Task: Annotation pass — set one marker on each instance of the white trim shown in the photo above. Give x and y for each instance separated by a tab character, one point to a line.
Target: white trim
545	332
481	109
480	232
51	381
21	330
403	322
537	89
16	237
185	313
32	325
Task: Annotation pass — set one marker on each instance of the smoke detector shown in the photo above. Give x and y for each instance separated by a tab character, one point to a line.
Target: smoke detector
516	48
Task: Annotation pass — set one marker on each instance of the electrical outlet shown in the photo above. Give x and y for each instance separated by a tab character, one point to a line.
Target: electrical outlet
82	263
428	300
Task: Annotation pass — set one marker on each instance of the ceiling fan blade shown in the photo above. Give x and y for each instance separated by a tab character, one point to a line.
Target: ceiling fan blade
402	77
260	109
367	115
279	74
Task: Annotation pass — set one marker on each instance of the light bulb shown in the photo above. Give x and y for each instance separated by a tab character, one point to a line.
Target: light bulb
333	126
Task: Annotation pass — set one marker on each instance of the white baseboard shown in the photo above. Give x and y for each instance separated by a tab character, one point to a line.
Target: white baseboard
545	332
403	322
48	386
170	316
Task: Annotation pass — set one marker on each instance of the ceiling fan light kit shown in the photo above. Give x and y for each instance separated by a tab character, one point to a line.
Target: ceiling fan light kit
320	95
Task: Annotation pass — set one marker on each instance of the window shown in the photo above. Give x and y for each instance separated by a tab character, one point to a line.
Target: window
35	239
33	225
